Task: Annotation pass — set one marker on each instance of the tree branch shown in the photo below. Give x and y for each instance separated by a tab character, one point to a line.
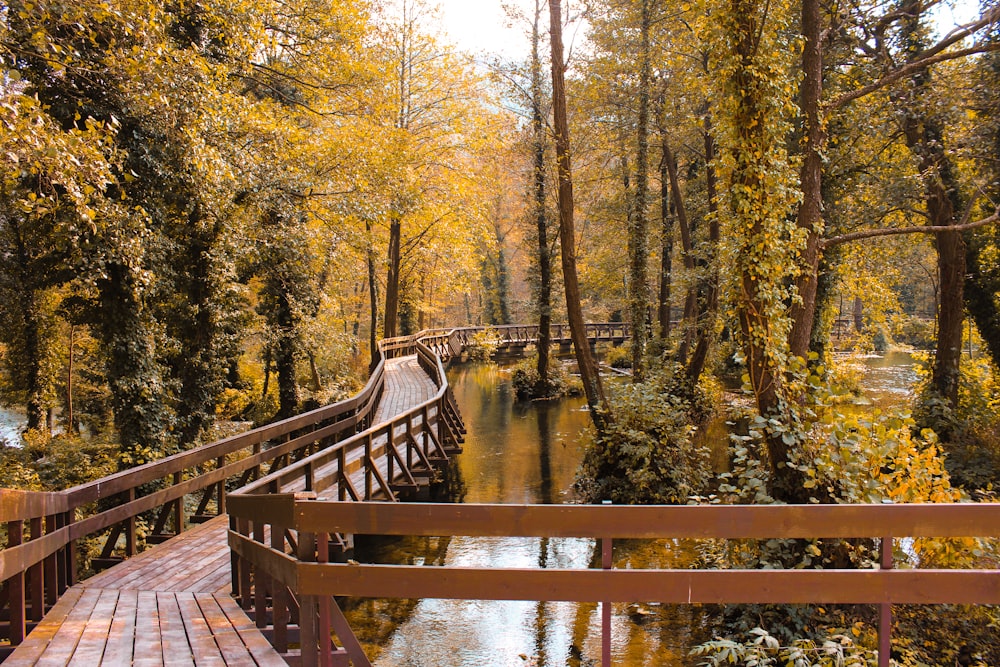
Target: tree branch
931	56
897	231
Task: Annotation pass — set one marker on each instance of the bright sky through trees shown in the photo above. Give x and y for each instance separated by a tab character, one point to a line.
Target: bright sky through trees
481	26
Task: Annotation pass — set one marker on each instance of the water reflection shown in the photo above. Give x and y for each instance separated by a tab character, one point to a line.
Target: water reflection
518	453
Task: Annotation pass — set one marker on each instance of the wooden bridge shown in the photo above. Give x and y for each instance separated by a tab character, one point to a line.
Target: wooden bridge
253	527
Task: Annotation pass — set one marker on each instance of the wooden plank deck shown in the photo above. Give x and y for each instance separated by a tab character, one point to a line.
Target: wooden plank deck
92	626
171	604
406	385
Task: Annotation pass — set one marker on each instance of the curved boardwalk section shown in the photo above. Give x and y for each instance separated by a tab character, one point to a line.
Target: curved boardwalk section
173	604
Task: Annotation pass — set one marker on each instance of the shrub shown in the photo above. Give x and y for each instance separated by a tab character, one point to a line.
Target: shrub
483	345
647	454
524	379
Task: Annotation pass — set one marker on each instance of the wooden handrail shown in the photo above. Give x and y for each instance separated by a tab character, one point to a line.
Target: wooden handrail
309	575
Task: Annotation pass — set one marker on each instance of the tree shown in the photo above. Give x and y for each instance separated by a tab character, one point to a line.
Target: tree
594	390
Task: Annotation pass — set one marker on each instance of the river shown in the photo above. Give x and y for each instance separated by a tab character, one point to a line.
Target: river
516	452
11	425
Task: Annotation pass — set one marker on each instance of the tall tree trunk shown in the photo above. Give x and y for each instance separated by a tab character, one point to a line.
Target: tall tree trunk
372	301
544	296
596	399
709	287
687	251
666	227
392	279
284	359
810	216
924	135
134	376
638	226
758	123
70	417
30	331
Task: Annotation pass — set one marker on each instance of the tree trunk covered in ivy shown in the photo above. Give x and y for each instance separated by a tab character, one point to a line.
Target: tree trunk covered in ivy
666	228
543	296
755	94
638	227
134	376
200	367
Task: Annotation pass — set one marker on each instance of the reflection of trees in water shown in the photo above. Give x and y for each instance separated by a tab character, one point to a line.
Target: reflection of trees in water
449	486
375	620
543	418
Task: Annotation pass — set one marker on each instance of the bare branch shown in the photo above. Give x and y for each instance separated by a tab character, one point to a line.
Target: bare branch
897	231
933	55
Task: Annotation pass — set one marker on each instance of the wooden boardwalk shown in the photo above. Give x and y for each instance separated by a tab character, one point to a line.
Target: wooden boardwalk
172	604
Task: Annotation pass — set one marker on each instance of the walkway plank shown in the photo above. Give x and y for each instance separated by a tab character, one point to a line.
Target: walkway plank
173	638
94	638
121	640
206	651
148	647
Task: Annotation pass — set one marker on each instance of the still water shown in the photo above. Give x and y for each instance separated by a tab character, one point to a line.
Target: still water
517	453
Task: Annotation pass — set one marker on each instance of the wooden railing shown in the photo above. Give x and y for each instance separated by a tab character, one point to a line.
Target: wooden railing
520	335
39	561
294	569
379	461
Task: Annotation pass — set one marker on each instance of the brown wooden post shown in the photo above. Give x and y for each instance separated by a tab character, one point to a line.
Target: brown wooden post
368	467
307	606
221	491
388	453
261	581
15	587
885	609
341	474
179	507
36	591
69	555
51	564
243	528
325	640
409	441
256	468
606	607
130	528
279	597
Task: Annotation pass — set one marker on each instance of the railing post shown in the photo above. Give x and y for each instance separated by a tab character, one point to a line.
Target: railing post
323	618
130	529
52	564
307	606
221	493
279	597
178	506
606	552
261	580
15	587
885	609
368	467
35	572
69	555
